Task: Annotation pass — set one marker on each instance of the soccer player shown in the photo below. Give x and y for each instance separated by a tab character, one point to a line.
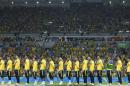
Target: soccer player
109	68
128	71
9	69
99	67
27	68
35	69
91	70
118	69
43	70
51	70
76	69
2	69
60	70
68	69
17	69
84	69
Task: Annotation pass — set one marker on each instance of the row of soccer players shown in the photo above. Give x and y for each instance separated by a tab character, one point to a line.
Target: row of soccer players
85	66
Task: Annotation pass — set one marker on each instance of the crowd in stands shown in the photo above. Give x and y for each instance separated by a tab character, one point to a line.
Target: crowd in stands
76	19
73	47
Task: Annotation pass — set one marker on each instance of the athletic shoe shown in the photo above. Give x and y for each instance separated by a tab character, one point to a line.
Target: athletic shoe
26	84
69	82
17	84
109	84
60	83
35	83
2	82
92	84
9	82
43	83
100	84
51	82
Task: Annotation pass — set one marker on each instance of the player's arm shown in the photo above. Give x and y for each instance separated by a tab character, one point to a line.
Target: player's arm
79	65
102	63
15	62
7	64
65	65
71	64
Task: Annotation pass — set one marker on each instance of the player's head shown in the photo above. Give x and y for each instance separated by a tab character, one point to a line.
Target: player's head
34	58
84	57
8	58
76	58
118	58
60	59
0	58
91	58
128	59
98	57
50	59
26	57
68	58
43	57
17	57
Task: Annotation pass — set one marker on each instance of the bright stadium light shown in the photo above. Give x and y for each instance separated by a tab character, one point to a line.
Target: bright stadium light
12	2
49	2
124	2
109	2
62	2
120	31
127	31
26	2
37	2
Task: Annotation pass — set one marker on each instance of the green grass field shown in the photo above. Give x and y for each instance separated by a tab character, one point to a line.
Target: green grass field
64	84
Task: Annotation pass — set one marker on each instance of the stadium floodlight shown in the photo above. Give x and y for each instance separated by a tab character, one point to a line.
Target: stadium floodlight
12	2
37	2
120	31
127	31
124	2
62	2
110	2
49	2
26	2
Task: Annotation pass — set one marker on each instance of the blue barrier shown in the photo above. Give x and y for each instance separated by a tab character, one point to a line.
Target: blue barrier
65	79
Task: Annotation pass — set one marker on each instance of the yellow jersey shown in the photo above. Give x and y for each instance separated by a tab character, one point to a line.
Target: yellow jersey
76	66
35	66
51	66
43	64
60	66
27	64
91	66
9	65
2	65
17	64
99	65
119	65
85	65
69	65
128	66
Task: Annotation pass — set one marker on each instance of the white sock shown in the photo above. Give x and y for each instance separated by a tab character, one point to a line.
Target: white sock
51	82
69	81
9	81
35	81
43	82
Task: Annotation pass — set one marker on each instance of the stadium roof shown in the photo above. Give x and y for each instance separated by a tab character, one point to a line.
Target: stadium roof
59	2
